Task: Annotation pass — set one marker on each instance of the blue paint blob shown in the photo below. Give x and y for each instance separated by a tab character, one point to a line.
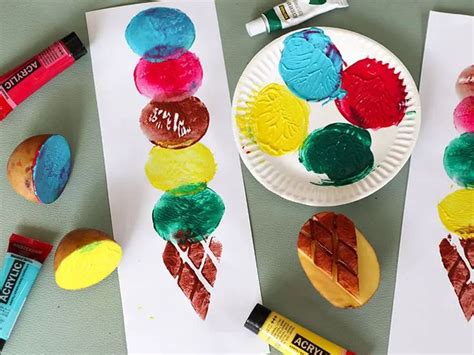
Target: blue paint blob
160	33
311	66
52	169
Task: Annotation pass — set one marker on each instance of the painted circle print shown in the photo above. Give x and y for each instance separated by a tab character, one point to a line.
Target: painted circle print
340	151
172	80
175	125
190	217
464	115
160	33
375	95
311	65
465	82
459	160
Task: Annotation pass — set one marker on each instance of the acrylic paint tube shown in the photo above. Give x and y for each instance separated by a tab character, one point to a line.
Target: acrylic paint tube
291	13
288	337
21	265
18	84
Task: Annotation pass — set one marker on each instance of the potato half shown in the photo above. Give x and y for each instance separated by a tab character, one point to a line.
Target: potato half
85	257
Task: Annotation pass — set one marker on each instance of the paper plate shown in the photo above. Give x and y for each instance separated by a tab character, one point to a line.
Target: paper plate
285	175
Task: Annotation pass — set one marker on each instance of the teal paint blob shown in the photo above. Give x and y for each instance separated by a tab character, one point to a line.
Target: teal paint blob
459	160
160	33
311	66
191	217
52	169
339	150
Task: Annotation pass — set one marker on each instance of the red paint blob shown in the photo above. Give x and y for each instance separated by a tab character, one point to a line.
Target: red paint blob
464	115
172	80
175	125
376	96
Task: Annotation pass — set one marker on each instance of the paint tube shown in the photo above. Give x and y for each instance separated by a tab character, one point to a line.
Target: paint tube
21	266
291	13
18	84
288	337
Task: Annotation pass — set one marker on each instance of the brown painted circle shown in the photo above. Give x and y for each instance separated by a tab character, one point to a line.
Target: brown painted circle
175	125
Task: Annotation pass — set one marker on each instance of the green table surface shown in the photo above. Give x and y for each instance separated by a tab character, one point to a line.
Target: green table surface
91	321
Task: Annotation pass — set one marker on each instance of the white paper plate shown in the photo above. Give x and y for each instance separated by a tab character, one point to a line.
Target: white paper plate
285	175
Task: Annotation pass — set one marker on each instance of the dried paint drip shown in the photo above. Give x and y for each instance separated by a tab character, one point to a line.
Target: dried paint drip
194	266
311	66
465	82
375	95
175	125
172	80
160	33
275	119
340	151
459	263
464	115
188	217
459	160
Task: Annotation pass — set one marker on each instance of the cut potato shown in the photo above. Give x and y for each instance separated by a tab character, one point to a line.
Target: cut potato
84	258
337	259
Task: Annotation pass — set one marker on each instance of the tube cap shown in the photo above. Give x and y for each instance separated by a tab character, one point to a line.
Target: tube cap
74	45
256	27
256	319
2	343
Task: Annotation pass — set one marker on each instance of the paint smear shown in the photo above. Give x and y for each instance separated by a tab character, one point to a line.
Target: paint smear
275	119
194	266
465	82
169	169
311	66
52	169
459	272
175	125
459	160
171	80
456	212
160	33
376	96
188	218
339	150
464	115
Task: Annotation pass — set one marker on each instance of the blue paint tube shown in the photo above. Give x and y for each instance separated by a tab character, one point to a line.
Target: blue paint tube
21	266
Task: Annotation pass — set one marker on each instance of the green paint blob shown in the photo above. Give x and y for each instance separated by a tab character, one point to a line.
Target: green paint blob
459	160
89	247
191	217
339	150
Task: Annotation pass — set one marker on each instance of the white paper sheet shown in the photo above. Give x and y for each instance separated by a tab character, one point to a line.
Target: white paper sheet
426	317
158	317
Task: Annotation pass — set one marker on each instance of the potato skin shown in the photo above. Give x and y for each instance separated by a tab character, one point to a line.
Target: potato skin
75	240
20	165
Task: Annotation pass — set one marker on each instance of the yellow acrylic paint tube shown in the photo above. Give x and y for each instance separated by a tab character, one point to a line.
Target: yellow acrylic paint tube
288	337
291	13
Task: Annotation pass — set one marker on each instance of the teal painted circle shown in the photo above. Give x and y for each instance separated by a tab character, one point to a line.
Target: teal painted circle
52	169
188	217
339	150
458	160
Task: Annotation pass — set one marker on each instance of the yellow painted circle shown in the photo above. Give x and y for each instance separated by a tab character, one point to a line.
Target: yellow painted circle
275	119
168	169
88	265
456	212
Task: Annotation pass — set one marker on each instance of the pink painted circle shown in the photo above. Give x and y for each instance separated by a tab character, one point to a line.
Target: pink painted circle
465	82
171	80
464	115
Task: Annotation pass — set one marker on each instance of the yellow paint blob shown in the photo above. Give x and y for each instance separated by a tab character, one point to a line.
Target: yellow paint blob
275	119
88	265
456	212
168	169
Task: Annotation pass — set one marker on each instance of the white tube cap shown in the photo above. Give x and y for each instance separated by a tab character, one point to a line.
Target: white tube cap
256	27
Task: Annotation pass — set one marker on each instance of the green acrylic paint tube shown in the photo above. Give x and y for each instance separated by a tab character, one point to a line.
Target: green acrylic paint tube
21	266
291	13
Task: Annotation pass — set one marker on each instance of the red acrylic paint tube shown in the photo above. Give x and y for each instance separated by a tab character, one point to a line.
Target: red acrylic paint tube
18	84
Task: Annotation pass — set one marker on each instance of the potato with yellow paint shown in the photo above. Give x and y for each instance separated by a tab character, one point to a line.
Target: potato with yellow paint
456	211
84	258
169	169
275	119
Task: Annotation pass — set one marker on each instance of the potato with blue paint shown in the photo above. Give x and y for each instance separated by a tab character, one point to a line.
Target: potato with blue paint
39	168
